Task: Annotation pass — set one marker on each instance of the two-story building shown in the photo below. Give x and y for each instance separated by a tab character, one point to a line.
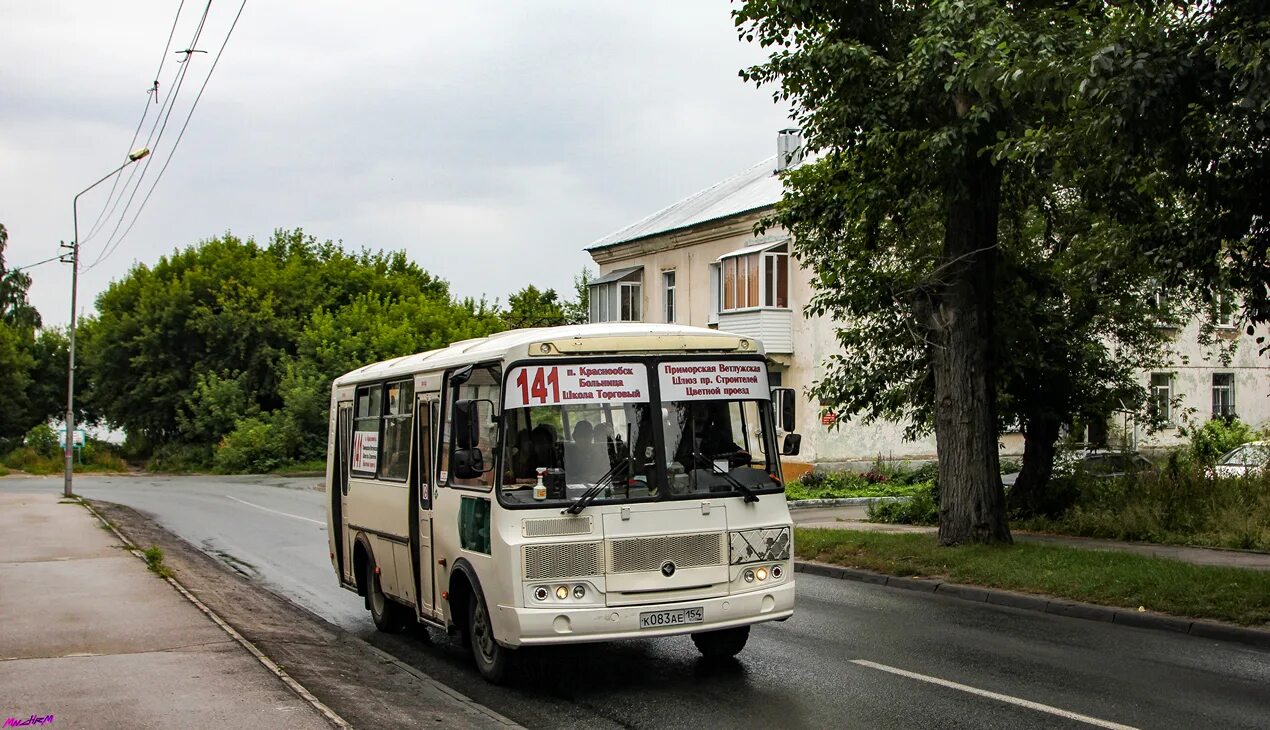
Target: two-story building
698	262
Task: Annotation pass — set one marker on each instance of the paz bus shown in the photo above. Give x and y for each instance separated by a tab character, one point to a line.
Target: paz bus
570	484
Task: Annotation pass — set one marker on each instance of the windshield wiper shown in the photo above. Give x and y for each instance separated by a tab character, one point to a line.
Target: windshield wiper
594	490
748	493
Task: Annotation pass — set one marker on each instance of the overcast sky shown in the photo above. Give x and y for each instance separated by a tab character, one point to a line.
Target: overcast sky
492	141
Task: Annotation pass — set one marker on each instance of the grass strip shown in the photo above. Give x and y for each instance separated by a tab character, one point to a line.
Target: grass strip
1094	576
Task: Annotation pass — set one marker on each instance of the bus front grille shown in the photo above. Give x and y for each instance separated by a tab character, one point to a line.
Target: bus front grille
562	560
641	554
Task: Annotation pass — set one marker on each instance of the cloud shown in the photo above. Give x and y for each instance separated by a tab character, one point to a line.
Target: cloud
492	141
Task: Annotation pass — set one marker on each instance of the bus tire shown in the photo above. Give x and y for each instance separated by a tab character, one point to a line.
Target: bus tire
493	660
389	616
723	643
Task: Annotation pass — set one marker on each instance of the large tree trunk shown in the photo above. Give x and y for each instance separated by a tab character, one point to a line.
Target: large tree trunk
972	503
1028	495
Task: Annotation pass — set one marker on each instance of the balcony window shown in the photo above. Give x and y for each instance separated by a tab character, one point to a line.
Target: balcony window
618	296
753	277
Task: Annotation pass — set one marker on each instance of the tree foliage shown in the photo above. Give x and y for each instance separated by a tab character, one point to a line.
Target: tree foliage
998	188
231	334
32	360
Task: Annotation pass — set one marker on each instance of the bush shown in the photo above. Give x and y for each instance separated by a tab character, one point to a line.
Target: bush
1185	506
44	441
255	446
181	458
920	509
837	485
1218	436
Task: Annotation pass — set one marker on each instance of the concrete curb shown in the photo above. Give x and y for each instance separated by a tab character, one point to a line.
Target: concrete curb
1259	638
842	502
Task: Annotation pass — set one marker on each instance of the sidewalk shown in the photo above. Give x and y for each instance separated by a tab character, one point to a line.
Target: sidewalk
93	639
852	517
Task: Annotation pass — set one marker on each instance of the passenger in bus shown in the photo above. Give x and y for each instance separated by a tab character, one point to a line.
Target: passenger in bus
523	456
544	447
583	457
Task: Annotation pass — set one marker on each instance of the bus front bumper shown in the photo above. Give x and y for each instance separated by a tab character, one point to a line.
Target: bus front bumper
532	626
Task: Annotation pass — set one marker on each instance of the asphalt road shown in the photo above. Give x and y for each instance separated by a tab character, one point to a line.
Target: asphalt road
854	655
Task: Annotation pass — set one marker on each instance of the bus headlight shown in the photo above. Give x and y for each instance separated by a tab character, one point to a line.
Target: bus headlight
562	592
579	591
777	572
540	593
761	574
749	576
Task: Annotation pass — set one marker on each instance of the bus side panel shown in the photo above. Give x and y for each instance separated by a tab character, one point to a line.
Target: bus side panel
380	510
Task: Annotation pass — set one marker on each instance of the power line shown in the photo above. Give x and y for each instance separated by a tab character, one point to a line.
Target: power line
152	141
151	93
37	263
179	136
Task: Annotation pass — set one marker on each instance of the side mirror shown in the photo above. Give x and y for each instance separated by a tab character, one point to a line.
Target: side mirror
783	400
468	463
792	444
467	423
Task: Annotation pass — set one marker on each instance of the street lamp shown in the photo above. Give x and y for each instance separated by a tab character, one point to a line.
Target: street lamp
133	156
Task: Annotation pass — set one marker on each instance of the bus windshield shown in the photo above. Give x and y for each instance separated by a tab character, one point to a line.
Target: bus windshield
568	427
713	444
574	446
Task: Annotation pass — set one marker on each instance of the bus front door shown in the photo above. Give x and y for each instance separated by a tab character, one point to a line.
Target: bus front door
426	412
339	490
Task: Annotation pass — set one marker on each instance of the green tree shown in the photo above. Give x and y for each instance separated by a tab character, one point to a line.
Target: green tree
182	351
1168	131
578	310
905	102
18	323
532	307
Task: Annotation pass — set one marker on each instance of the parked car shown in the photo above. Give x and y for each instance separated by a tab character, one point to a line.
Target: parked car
1100	464
1249	458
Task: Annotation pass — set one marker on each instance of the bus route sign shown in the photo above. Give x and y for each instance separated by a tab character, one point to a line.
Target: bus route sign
549	385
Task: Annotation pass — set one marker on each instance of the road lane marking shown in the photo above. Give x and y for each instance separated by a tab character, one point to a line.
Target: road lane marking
995	696
276	512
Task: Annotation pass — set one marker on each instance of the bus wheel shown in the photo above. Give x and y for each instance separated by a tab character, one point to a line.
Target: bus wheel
492	659
389	616
721	644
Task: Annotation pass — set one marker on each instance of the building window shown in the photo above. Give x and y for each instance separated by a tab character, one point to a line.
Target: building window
1162	398
618	296
668	294
1223	395
716	293
1225	312
756	279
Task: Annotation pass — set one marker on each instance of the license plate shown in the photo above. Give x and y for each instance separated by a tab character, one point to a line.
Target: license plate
658	619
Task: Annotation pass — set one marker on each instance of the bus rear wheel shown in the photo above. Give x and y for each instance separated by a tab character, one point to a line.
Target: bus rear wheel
389	616
493	660
723	643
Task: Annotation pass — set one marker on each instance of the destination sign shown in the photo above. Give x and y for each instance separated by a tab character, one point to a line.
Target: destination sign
713	380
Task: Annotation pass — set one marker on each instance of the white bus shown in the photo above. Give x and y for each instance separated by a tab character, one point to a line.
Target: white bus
570	484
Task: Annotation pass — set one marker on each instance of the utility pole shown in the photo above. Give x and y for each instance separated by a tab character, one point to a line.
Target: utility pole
70	367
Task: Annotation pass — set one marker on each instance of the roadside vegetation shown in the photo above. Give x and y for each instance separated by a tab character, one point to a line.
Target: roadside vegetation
154	561
1180	502
883	479
1103	577
40	452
